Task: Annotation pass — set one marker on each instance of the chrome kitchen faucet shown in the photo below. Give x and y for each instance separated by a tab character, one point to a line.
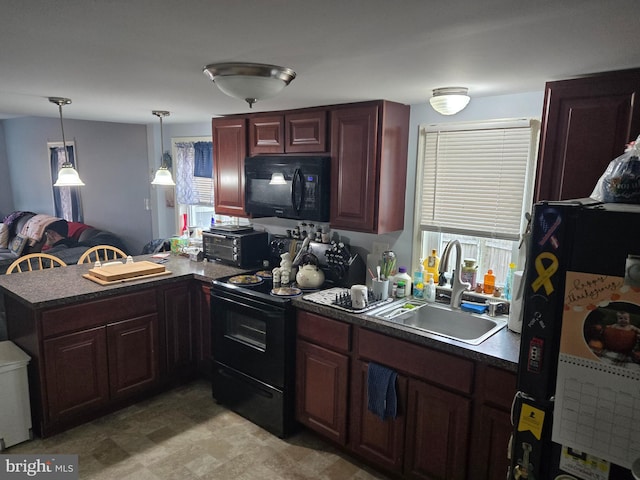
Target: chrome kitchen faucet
457	286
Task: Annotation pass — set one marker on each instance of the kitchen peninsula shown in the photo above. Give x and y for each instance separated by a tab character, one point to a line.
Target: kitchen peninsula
97	348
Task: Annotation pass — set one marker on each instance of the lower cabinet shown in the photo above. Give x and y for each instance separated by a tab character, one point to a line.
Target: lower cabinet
202	330
379	441
322	375
176	306
437	433
452	419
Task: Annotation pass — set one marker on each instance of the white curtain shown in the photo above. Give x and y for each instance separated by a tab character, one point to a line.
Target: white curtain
186	191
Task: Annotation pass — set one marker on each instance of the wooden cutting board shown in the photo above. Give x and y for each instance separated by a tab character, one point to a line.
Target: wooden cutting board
122	271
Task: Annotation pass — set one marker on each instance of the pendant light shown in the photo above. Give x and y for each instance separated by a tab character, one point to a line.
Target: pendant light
163	174
249	81
449	100
67	175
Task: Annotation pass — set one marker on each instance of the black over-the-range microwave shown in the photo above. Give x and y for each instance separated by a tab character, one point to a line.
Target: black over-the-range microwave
288	187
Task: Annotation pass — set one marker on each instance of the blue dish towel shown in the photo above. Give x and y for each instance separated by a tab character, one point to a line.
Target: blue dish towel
381	391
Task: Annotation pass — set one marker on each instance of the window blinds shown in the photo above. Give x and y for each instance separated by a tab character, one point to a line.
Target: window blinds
475	177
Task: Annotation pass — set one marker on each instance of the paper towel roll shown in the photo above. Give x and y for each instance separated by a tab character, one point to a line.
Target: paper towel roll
516	310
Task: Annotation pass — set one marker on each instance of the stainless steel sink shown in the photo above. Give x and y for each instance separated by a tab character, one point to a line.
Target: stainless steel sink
441	320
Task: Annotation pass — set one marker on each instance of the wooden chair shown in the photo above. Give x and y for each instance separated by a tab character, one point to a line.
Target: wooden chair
102	253
35	261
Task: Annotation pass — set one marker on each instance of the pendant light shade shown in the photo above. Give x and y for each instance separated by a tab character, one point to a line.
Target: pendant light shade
449	100
67	175
163	174
249	81
277	178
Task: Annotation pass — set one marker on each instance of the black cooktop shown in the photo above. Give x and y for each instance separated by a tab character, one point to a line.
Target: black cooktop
262	290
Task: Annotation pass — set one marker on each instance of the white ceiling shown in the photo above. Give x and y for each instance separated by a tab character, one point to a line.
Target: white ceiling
120	59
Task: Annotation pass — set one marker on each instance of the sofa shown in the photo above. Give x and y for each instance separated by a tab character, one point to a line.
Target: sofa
18	237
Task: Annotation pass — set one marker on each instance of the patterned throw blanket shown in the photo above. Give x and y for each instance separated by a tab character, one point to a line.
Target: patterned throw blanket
35	227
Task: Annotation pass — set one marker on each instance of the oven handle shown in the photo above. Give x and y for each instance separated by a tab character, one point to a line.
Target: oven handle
263	308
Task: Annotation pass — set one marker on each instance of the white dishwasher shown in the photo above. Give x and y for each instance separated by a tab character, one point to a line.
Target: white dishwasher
15	421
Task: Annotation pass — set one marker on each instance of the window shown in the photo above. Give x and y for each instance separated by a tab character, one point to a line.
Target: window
194	180
66	200
475	183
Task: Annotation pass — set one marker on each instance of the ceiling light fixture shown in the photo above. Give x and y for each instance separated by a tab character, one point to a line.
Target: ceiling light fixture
449	100
249	81
67	175
163	174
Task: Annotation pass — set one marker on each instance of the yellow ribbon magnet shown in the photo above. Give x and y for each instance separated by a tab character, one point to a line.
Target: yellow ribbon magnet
545	273
531	419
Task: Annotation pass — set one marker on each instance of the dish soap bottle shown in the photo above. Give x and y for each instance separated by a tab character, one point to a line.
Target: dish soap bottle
432	263
430	289
418	283
489	282
508	285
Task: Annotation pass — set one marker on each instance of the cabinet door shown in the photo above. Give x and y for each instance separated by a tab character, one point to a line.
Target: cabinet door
437	433
306	132
321	390
76	373
229	151
492	445
202	332
178	329
354	168
379	441
586	124
133	355
266	134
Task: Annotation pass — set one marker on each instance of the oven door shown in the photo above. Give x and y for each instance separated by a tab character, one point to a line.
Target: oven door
251	336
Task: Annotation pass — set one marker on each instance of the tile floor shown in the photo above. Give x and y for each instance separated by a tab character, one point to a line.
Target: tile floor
183	434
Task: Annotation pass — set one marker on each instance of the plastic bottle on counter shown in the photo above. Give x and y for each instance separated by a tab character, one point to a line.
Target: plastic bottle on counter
432	264
430	289
469	270
400	289
508	284
403	276
418	282
489	282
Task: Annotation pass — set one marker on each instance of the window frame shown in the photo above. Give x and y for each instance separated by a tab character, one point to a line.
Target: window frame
432	237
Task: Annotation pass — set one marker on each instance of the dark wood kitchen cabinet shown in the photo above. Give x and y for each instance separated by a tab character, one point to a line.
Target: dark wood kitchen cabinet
303	131
496	389
95	355
178	330
322	375
229	152
429	438
586	123
369	166
202	316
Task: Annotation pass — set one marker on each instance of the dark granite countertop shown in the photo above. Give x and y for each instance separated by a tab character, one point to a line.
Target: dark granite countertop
500	350
61	286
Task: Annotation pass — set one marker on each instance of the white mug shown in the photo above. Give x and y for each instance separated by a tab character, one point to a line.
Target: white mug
359	296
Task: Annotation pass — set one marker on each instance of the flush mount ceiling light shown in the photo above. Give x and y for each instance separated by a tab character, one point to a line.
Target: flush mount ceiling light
249	81
67	175
449	100
163	174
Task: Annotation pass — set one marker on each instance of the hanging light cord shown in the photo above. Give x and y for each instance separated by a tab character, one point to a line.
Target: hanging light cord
64	143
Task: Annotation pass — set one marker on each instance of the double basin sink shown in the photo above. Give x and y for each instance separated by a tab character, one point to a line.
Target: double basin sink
471	328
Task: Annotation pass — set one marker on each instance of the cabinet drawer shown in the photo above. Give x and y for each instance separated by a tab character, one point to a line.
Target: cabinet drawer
498	387
324	331
421	362
98	313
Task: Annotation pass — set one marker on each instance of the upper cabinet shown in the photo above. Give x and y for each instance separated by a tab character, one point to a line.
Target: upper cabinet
369	166
368	146
299	132
229	152
586	123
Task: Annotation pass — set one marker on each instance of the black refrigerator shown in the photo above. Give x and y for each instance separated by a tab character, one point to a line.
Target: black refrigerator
577	411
